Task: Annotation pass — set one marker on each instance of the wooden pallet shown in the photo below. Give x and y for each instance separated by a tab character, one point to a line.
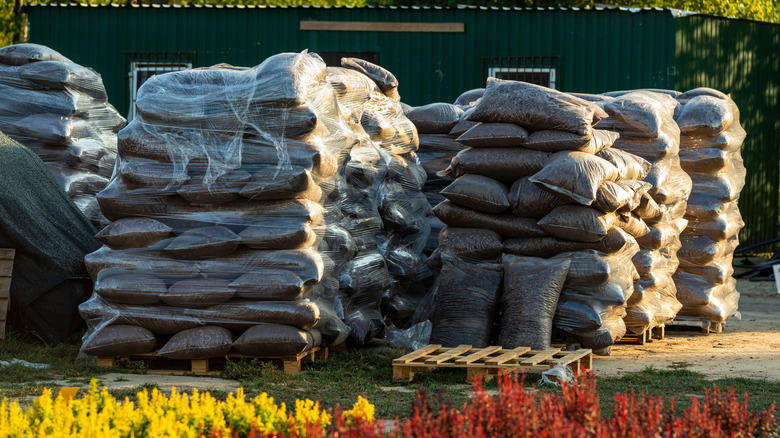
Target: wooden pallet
6	269
160	365
486	362
690	325
649	334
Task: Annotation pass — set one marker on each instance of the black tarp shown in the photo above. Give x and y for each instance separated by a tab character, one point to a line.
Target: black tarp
51	237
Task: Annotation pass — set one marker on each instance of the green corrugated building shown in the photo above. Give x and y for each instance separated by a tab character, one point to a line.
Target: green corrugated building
437	53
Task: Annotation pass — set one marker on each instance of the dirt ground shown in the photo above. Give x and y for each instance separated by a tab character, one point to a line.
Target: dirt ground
747	347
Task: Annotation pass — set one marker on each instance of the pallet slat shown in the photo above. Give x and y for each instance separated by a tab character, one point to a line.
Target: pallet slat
509	355
487	362
439	358
479	354
417	354
540	357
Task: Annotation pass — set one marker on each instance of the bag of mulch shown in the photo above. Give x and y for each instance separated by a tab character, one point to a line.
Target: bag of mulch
469	97
721	227
58	75
77	182
21	54
198	293
198	343
226	188
489	135
435	118
142	173
577	223
120	339
641	113
629	166
535	107
631	224
465	303
653	149
615	241
303	314
659	236
648	209
556	141
479	193
278	234
275	340
623	195
611	330
306	263
269	284
201	243
529	299
503	164
51	129
463	124
575	175
703	250
385	80
529	200
505	224
708	160
274	183
128	287
133	233
470	243
705	116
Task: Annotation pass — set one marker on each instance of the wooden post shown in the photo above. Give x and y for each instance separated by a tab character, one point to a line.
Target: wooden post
6	270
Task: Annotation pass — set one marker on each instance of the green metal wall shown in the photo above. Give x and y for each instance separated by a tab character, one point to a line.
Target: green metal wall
741	58
600	50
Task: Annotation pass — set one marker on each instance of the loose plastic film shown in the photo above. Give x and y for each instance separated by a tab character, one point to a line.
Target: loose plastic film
385	209
227	216
645	122
710	140
539	193
60	110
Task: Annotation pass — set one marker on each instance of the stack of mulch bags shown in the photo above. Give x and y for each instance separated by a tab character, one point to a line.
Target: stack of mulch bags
538	191
60	110
385	204
439	125
710	140
226	184
645	122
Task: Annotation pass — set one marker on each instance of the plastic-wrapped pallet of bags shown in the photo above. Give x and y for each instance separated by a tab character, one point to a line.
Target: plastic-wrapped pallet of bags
400	201
60	110
531	175
364	278
646	125
225	210
710	140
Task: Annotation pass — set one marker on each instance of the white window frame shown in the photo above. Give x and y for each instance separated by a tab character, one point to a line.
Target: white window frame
136	67
493	70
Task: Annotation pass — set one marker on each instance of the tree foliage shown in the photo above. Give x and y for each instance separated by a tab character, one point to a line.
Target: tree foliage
12	23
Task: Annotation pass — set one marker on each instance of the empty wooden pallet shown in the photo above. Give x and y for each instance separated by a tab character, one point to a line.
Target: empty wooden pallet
488	361
203	367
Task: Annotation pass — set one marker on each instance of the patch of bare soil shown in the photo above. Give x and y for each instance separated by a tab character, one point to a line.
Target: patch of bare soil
747	347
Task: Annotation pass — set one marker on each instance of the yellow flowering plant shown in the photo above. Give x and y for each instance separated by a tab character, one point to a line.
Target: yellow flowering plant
155	414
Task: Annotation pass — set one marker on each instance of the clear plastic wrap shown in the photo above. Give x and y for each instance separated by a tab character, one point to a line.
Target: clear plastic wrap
709	152
211	235
60	110
644	119
386	208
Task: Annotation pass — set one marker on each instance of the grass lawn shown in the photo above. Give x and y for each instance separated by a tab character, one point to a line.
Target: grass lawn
345	375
